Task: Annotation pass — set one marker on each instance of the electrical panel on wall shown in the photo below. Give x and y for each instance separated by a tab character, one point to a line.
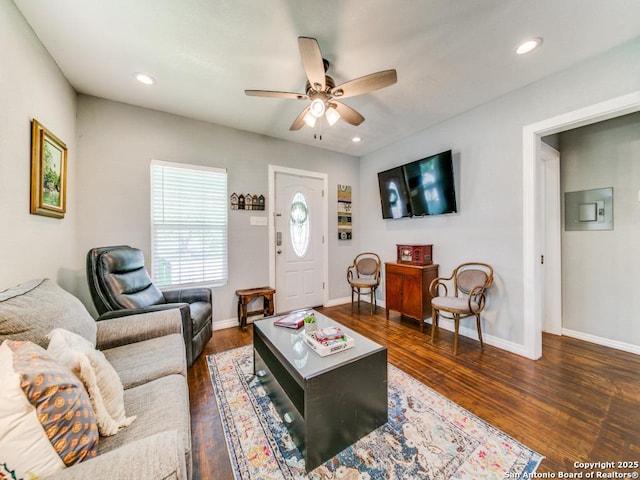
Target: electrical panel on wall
589	209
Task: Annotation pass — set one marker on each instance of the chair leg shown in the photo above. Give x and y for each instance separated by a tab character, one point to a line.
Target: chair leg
358	300
434	323
352	299
456	320
479	331
372	301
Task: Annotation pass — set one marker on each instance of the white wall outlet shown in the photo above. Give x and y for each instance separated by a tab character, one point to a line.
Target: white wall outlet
258	221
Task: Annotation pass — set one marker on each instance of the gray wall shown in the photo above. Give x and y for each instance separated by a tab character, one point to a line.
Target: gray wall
116	142
108	193
32	86
488	145
601	270
110	146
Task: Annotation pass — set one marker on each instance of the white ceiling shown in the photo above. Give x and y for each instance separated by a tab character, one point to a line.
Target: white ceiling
450	55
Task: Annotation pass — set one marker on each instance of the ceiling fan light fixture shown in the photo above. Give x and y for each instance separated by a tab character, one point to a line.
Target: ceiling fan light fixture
310	119
332	116
317	108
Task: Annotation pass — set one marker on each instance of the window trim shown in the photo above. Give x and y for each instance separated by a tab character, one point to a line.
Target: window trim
191	167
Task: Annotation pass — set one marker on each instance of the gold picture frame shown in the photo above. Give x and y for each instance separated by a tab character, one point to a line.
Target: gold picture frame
48	173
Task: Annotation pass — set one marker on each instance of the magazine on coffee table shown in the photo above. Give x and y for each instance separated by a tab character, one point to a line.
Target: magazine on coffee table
327	346
294	320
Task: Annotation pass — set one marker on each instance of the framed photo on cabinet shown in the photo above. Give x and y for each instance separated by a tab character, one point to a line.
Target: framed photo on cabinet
48	173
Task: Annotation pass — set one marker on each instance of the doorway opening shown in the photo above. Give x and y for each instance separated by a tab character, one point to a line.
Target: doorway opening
534	217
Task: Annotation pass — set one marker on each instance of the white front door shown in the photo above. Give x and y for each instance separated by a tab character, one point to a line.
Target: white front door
299	241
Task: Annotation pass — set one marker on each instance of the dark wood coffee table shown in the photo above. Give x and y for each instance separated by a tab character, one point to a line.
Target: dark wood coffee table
327	403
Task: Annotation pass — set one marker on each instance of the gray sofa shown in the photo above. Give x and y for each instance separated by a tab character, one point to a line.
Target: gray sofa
147	351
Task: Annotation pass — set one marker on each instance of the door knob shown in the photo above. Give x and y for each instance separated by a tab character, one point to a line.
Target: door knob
279	251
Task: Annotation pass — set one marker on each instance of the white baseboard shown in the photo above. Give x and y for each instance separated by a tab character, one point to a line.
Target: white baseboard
228	323
444	323
344	300
338	301
472	333
233	322
625	347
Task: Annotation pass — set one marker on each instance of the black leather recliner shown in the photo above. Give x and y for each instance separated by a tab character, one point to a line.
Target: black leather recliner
120	285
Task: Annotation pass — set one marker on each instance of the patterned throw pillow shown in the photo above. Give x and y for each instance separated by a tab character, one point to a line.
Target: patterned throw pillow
46	419
98	376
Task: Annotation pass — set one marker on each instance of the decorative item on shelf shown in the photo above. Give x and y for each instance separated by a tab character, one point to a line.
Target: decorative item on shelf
415	254
233	200
310	324
344	212
48	173
247	201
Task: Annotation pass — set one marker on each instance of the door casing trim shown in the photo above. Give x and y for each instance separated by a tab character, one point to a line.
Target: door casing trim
271	203
531	202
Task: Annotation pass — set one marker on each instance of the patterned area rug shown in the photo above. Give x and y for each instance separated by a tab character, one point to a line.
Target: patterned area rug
426	437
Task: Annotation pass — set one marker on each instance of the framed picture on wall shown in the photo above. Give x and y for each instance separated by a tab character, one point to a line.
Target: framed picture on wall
48	173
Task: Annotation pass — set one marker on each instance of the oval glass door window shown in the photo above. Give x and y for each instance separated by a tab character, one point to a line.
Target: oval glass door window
299	224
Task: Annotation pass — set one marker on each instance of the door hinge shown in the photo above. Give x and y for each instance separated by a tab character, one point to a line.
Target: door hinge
323	239
323	193
323	285
542	259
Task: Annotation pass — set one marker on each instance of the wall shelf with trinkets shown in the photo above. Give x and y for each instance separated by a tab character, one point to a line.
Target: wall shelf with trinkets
344	212
246	201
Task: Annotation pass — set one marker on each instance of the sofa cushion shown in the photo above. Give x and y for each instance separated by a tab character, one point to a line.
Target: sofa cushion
159	456
46	419
160	405
32	309
142	362
98	376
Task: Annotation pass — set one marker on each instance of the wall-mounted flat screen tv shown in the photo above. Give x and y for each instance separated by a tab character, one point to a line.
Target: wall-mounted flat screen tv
393	194
431	185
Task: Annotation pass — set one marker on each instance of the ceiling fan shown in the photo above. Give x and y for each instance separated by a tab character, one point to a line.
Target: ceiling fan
323	92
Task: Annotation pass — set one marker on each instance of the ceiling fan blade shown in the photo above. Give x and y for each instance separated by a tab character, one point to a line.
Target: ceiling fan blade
269	93
312	62
348	114
298	123
368	83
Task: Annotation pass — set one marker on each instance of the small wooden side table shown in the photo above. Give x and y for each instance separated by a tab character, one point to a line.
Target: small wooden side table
245	296
407	289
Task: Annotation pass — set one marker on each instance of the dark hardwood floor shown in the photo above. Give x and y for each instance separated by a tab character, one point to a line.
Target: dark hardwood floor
579	403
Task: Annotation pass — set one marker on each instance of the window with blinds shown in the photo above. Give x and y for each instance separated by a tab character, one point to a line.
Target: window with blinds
189	224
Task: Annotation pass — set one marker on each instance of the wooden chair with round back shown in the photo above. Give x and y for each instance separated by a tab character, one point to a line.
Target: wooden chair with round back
469	283
364	274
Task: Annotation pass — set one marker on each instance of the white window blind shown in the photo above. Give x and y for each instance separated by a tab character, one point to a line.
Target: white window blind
189	224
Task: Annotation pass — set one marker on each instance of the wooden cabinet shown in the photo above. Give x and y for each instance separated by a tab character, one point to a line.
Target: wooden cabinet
407	289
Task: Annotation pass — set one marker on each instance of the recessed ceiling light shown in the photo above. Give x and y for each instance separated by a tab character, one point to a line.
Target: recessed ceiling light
528	45
144	78
356	139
